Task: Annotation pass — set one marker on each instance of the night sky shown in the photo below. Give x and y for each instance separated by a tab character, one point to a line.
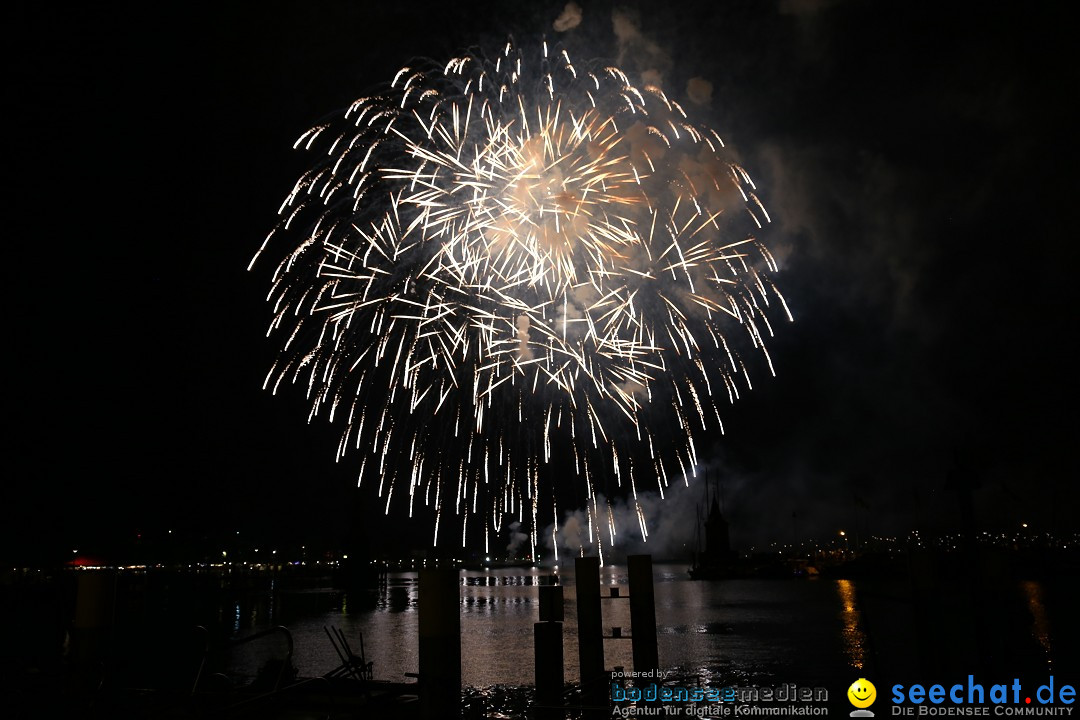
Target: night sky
918	160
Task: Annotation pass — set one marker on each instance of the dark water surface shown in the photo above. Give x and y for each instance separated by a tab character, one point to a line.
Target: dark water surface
928	628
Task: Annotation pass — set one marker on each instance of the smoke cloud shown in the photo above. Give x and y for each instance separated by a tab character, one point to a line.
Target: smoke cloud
522	323
699	91
636	50
569	18
669	520
518	540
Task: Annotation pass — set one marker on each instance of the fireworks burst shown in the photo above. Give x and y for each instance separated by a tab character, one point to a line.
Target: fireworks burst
504	273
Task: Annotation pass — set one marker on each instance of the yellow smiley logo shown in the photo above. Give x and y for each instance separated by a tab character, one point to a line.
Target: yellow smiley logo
862	693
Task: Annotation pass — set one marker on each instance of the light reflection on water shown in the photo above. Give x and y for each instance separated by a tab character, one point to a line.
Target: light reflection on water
854	636
735	630
1040	628
810	631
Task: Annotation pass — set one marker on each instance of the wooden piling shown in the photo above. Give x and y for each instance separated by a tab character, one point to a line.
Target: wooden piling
642	613
590	630
440	643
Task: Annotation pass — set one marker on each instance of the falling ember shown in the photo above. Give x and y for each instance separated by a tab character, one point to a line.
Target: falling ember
513	284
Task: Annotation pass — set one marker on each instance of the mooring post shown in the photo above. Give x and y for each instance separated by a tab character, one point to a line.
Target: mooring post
642	613
548	651
95	611
590	630
440	643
